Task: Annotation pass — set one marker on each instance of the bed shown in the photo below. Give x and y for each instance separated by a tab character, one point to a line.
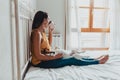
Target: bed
108	71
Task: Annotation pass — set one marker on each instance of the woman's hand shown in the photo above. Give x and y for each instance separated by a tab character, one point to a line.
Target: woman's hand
59	55
51	30
51	27
50	35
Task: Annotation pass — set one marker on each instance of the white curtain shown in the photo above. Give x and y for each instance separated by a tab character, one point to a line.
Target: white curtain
68	33
115	25
72	25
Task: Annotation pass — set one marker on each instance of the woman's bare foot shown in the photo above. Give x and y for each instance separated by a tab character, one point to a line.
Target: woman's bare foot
100	57
103	59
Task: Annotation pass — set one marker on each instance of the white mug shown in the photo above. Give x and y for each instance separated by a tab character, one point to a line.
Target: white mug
51	25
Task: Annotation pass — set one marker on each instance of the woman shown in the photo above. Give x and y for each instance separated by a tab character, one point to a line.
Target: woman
40	45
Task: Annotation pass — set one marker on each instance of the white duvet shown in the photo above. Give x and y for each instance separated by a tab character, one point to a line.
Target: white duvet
107	71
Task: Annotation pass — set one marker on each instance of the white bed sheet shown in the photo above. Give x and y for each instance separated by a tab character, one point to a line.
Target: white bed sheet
107	71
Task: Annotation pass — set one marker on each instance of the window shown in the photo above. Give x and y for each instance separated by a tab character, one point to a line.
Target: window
94	23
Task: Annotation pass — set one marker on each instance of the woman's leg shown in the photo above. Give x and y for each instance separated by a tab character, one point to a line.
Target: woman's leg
88	59
102	59
66	62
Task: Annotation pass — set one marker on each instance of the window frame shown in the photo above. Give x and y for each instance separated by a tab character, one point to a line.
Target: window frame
90	24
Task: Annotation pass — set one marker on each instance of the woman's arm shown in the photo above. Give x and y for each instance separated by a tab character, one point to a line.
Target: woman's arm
36	42
51	28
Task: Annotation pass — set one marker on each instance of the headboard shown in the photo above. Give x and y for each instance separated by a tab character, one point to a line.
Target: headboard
25	55
21	21
25	28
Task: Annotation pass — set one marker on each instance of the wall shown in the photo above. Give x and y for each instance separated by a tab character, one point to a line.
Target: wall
5	41
56	11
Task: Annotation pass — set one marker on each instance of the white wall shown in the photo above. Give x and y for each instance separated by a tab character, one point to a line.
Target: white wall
5	41
56	11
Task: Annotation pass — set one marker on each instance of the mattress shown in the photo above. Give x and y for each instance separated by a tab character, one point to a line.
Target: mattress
108	71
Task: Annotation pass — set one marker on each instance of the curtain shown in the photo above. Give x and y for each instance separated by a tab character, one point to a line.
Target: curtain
115	25
72	25
68	33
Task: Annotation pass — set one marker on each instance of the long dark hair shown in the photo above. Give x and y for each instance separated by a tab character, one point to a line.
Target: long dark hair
38	19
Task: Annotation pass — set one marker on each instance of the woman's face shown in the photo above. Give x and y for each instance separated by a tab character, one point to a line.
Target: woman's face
45	23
